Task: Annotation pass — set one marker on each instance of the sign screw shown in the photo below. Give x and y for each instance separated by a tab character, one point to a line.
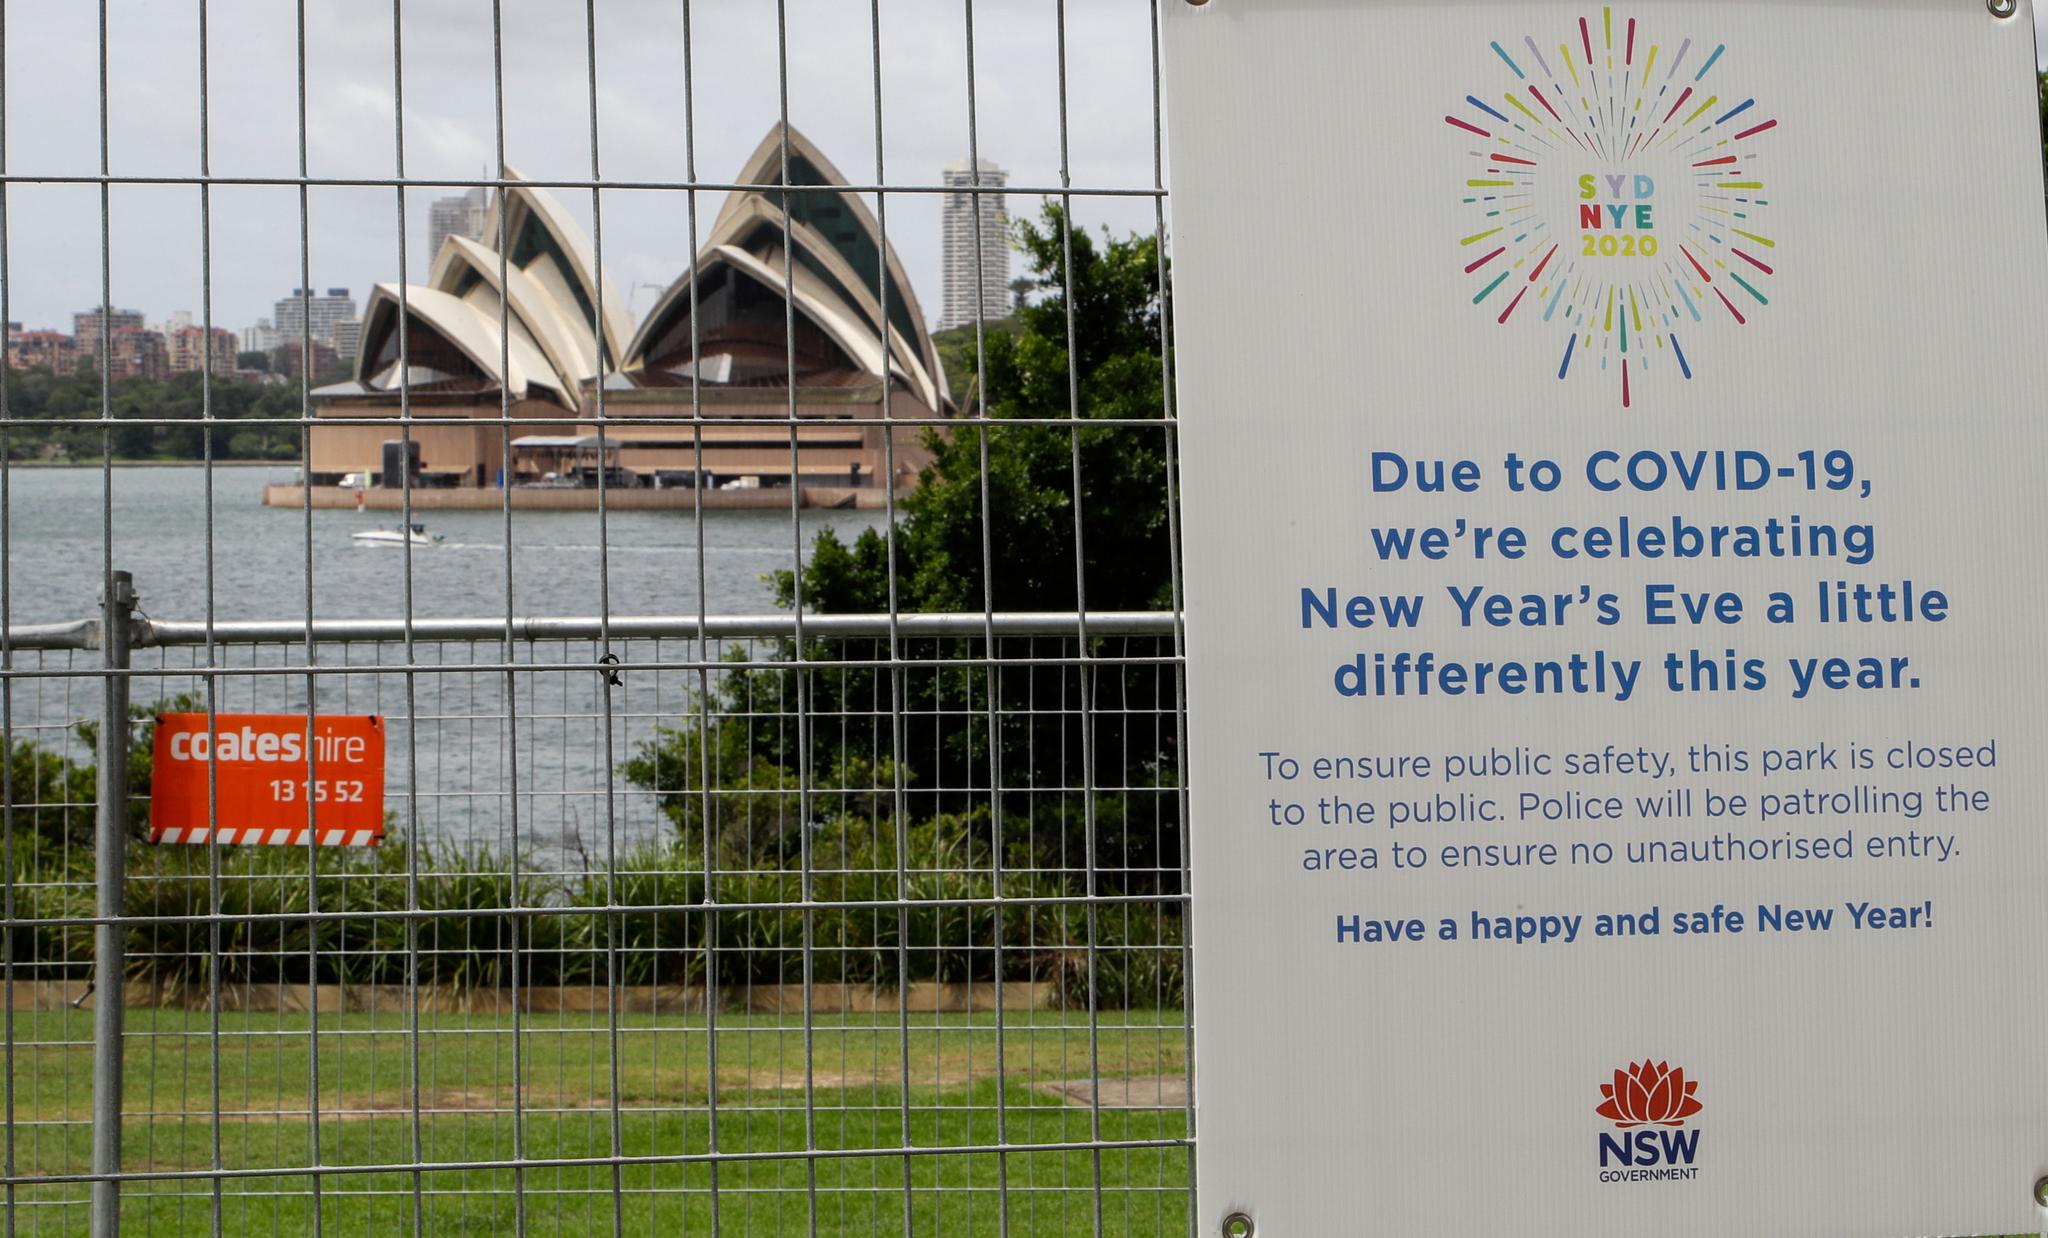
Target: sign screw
1198	4
2002	8
1237	1224
2041	1192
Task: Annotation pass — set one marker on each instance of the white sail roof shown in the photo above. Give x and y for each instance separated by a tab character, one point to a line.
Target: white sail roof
846	277
511	363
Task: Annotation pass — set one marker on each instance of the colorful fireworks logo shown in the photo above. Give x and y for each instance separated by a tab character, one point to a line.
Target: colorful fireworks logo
1616	196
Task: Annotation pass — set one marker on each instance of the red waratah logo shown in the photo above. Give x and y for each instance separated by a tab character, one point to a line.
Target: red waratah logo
1649	1094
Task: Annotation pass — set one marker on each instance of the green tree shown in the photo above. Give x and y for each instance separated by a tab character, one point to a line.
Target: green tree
1115	368
750	759
48	800
49	797
956	349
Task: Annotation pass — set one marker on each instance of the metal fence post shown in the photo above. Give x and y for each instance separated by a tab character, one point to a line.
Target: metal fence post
109	945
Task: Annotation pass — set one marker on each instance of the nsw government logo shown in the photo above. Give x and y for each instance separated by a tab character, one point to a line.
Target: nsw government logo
1649	1104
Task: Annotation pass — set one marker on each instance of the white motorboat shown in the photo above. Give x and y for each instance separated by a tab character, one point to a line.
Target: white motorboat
416	536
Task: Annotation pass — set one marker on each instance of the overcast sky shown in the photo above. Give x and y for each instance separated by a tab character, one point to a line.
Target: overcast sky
153	124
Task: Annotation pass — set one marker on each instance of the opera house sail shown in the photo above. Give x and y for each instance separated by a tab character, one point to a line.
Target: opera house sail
517	364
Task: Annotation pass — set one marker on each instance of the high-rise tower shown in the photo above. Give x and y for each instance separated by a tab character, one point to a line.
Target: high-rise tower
461	215
972	285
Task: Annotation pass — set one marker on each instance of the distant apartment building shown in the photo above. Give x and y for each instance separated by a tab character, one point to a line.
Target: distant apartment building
290	359
185	350
45	350
347	337
136	352
87	326
260	338
977	243
461	215
302	314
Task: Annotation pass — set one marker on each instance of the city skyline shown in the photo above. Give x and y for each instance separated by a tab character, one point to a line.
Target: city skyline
464	215
333	311
329	316
352	229
333	308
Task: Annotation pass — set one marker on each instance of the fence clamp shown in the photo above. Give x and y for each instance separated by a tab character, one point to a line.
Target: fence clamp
611	677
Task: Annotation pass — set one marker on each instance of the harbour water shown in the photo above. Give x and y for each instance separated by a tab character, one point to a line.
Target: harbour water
526	760
559	564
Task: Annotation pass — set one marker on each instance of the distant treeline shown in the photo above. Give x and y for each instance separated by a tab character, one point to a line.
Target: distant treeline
66	400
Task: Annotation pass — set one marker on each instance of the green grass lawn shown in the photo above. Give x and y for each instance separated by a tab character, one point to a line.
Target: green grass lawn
957	1096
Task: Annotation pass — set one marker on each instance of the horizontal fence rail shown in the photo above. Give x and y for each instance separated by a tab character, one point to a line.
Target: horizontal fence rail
153	633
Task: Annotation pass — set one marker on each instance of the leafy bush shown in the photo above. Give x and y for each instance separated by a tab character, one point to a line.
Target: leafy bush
265	893
946	930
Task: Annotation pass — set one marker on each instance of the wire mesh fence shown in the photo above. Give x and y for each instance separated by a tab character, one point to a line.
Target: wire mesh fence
866	915
611	953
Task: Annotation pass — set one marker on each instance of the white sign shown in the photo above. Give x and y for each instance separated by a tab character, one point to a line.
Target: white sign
1615	444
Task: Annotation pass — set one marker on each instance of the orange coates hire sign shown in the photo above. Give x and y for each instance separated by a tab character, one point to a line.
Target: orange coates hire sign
266	780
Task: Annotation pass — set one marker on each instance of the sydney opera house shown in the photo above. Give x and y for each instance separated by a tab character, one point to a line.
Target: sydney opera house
536	330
